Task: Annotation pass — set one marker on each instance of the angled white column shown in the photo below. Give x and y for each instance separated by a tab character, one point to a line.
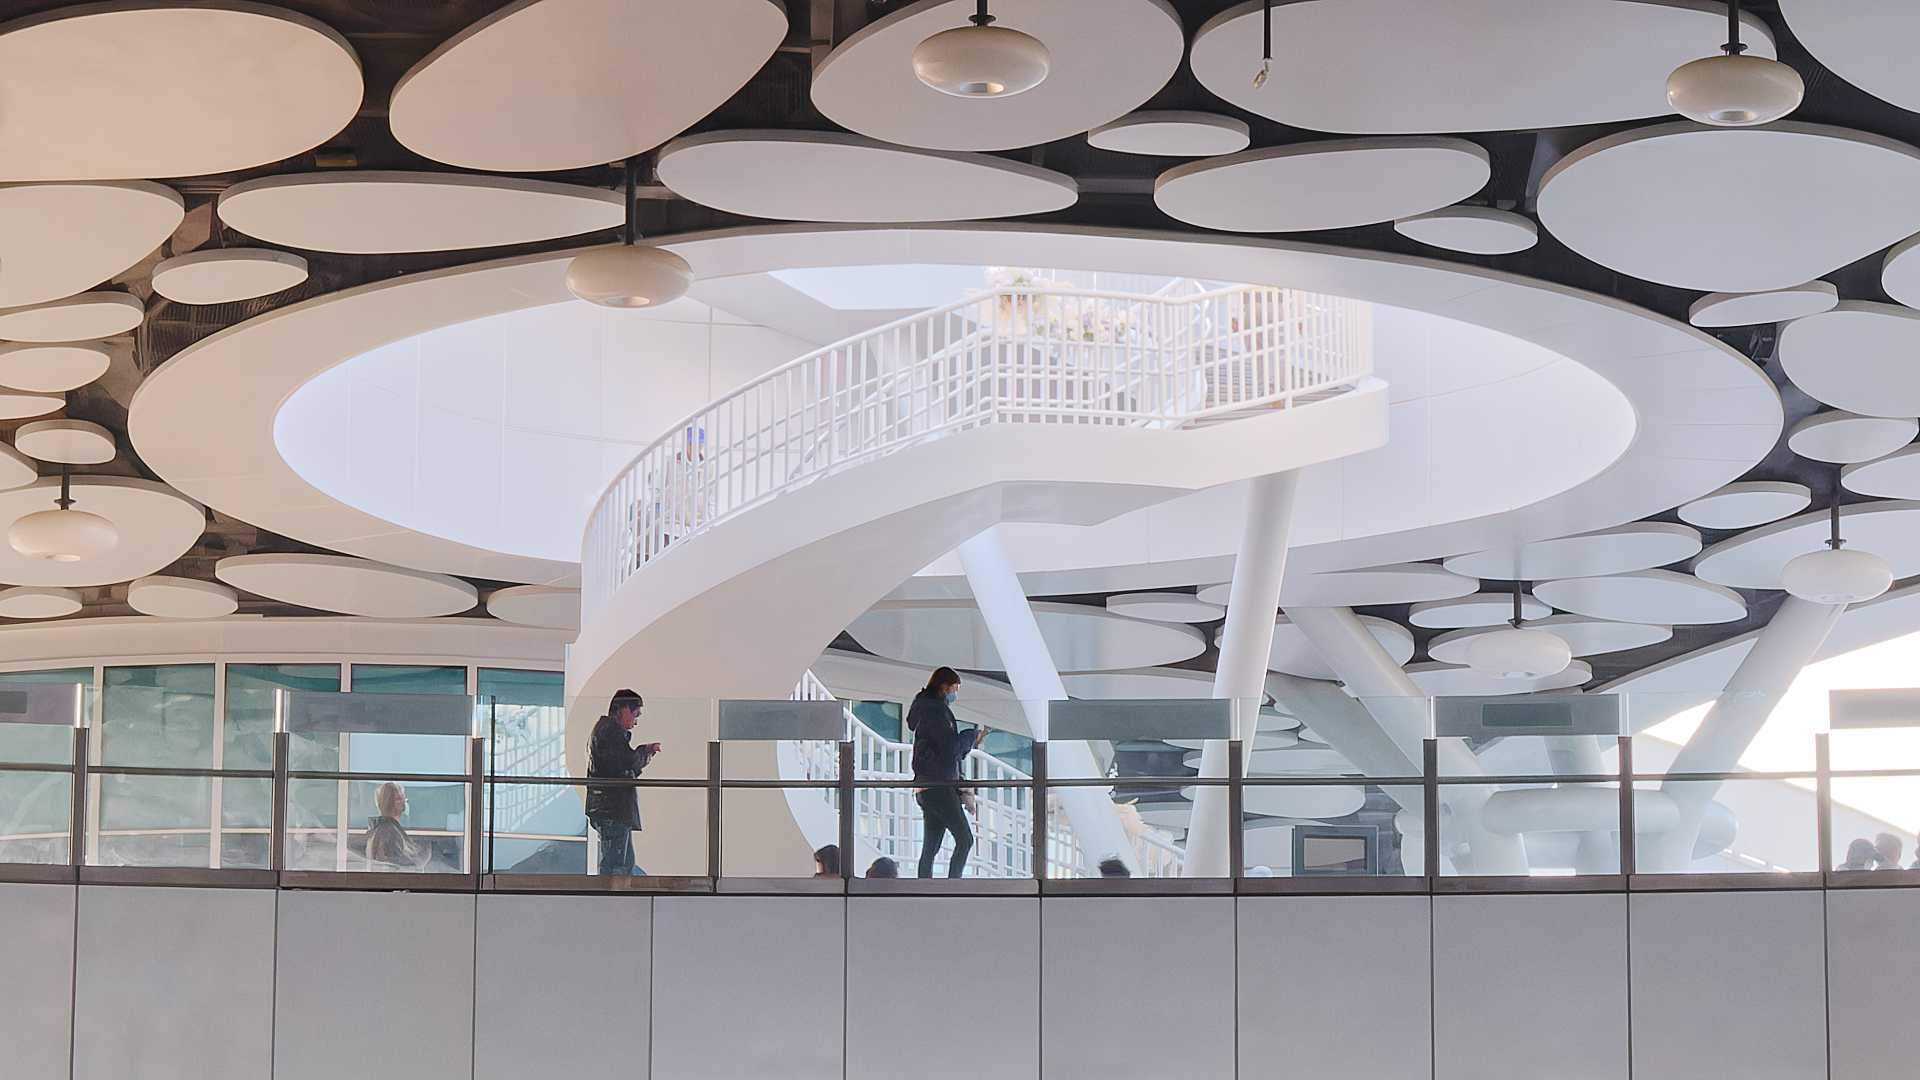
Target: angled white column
1597	851
1789	641
1354	734
1400	708
1245	645
1030	670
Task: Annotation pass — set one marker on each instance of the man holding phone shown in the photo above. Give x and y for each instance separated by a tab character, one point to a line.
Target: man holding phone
615	811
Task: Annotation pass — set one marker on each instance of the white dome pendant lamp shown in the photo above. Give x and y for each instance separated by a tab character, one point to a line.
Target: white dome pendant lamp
1837	575
1519	653
1734	90
982	60
629	274
64	534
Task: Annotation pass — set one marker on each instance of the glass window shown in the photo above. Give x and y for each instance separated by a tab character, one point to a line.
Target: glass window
158	717
408	679
40	743
248	737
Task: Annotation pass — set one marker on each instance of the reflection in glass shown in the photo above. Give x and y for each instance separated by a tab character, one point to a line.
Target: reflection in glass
1146	817
1744	826
1561	830
35	816
1874	822
392	826
159	716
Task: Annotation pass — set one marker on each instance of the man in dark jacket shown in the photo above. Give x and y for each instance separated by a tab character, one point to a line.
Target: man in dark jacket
615	811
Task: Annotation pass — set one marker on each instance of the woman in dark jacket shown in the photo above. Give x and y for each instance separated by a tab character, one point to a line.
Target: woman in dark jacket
939	746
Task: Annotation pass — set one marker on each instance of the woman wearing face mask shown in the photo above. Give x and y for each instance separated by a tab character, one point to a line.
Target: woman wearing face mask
939	746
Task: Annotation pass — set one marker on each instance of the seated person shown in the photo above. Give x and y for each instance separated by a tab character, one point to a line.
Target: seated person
1860	856
883	867
388	845
1886	849
826	862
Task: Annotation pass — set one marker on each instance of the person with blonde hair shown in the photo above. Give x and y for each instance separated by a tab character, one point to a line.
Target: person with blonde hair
388	845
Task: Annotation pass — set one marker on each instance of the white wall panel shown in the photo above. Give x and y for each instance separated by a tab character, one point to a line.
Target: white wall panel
1728	984
556	979
1530	986
1335	987
753	987
374	986
1099	955
1873	968
36	981
990	990
174	984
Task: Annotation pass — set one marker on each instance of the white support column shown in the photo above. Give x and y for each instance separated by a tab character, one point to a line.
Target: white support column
1779	651
1245	646
1400	708
1030	669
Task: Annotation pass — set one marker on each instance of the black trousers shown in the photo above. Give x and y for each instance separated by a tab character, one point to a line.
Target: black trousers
941	809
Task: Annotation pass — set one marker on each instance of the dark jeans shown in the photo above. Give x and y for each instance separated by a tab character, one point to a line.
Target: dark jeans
941	808
616	849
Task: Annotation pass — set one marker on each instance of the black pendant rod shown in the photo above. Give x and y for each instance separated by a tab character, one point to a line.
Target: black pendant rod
1733	46
980	17
1833	515
631	234
1516	603
66	489
1266	32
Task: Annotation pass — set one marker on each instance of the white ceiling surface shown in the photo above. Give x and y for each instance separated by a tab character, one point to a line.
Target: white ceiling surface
1638	546
18	406
1845	438
223	275
1406	583
1322	185
16	469
500	433
52	368
1479	609
1583	635
1858	357
859	677
1397	66
1262	739
536	605
1079	637
1753	560
1865	42
851	178
1293	653
1452	680
1107	58
1896	476
181	598
126	90
1778	305
347	585
1732	209
57	239
1705	414
373	212
1476	230
541	85
1172	133
1165	607
31	646
75	318
72	442
1745	504
1654	596
38	602
156	527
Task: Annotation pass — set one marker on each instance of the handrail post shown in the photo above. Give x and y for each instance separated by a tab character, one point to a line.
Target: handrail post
713	811
277	833
477	836
1430	807
1039	815
845	781
1236	803
1823	807
1629	824
77	813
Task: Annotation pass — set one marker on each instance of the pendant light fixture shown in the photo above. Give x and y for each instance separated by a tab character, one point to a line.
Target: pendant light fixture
1519	653
629	274
1266	45
1734	90
64	534
1837	575
982	60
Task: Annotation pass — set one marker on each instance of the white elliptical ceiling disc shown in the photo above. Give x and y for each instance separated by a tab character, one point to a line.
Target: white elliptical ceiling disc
1321	802
181	598
1172	133
1584	636
223	275
1164	607
1452	680
69	442
157	525
1746	504
1733	209
1869	43
1143	684
373	213
58	239
21	406
1858	357
1079	637
1397	583
1754	559
1776	305
1844	438
52	368
1896	476
542	85
38	602
1476	230
1107	58
1263	740
544	606
1379	67
852	179
1292	653
1662	597
1323	185
347	585
121	90
16	468
1479	609
1900	272
1637	546
76	318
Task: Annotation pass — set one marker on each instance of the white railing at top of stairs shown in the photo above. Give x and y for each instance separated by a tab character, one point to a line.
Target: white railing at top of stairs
889	819
1013	355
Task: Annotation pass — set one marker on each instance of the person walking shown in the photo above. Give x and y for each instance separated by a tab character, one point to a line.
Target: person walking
939	746
615	811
